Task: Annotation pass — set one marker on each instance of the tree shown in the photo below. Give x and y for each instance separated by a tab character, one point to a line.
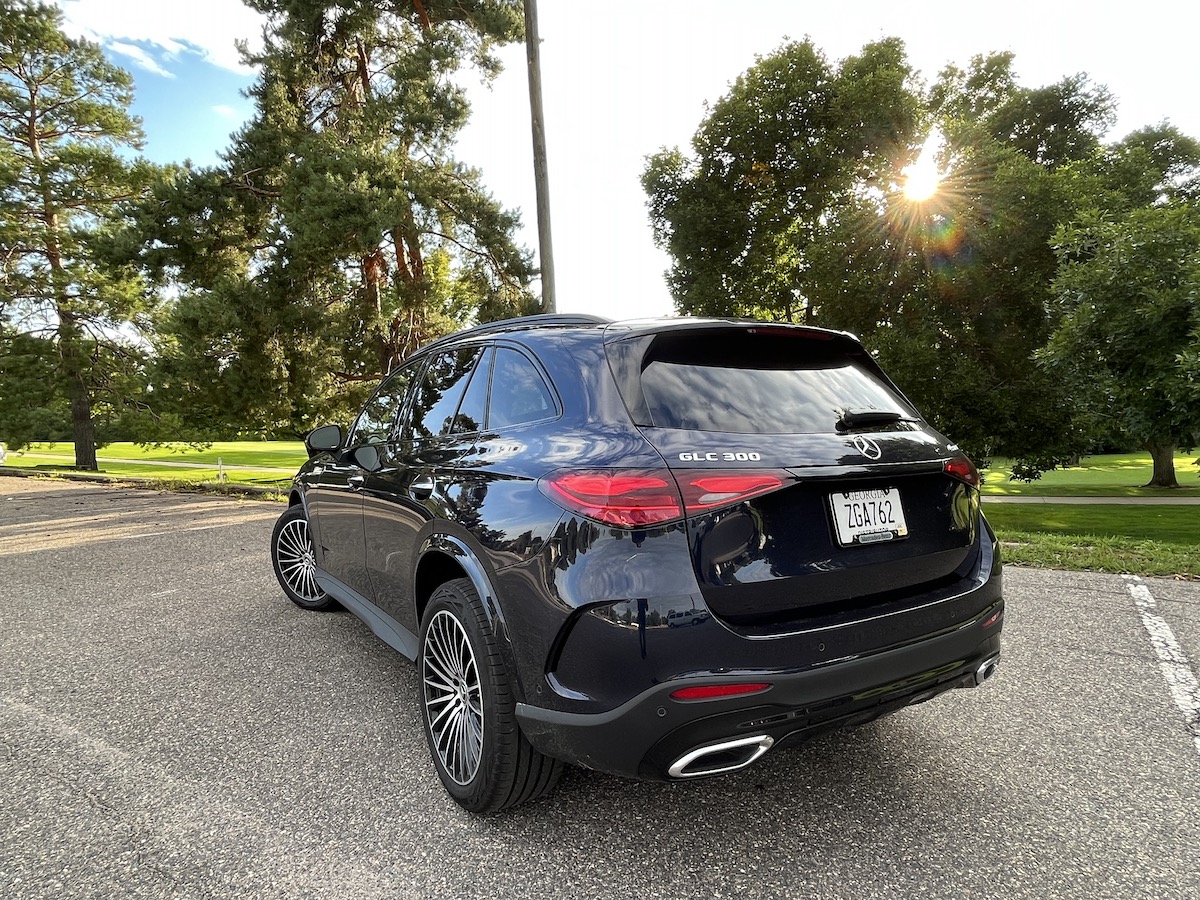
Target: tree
795	141
340	233
963	325
64	120
982	309
1152	165
1051	125
1130	323
791	209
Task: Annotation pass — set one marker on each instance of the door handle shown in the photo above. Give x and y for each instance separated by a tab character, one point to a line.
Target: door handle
421	488
355	482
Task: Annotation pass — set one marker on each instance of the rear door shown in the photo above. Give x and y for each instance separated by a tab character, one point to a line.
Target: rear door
810	481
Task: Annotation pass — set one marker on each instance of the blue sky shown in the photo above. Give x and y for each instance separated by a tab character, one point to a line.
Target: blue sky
626	77
190	115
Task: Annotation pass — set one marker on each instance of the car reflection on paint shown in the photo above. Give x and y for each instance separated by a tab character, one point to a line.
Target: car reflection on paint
676	618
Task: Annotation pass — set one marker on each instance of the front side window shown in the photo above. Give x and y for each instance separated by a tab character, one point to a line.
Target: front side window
374	424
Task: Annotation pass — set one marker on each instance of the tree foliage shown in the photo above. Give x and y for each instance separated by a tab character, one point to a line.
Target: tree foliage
795	142
64	122
1129	332
340	232
791	209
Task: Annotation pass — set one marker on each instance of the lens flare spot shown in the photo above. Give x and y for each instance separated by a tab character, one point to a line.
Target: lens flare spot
921	178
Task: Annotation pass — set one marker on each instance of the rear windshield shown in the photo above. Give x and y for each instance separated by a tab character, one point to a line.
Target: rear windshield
753	383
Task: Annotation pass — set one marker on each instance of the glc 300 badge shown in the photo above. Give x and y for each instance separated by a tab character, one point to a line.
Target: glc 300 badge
867	447
710	456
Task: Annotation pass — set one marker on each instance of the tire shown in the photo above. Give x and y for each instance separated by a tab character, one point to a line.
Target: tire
294	563
468	708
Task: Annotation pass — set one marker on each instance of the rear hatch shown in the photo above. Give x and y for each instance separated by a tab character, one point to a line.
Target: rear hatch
811	485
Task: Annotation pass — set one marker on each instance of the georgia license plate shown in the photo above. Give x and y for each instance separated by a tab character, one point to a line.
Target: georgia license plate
868	517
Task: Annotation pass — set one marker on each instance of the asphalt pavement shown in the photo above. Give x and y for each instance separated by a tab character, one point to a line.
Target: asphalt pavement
171	726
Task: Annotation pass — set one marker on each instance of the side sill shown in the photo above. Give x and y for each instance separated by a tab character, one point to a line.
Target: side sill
384	626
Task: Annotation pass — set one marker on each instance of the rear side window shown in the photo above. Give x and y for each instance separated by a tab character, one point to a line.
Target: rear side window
519	394
437	396
472	412
751	383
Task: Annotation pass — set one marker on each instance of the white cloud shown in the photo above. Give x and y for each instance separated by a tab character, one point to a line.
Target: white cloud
225	112
140	57
207	29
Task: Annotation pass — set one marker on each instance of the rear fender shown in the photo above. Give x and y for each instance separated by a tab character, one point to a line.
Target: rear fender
456	549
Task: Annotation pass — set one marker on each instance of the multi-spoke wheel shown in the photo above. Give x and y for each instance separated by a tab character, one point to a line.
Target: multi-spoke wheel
468	708
453	697
294	562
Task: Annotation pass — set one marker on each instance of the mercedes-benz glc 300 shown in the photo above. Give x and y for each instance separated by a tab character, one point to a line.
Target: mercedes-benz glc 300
655	548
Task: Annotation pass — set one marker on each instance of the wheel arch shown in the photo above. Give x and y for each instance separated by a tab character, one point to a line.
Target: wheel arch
443	557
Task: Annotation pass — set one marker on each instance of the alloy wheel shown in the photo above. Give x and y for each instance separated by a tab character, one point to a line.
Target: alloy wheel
297	564
453	697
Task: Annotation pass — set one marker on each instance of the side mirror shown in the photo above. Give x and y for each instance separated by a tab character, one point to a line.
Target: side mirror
367	457
323	439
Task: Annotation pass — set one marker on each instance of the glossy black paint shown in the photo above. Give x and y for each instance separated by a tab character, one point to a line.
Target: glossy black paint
598	624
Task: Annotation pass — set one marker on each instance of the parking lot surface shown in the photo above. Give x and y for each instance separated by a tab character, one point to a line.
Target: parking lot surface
171	726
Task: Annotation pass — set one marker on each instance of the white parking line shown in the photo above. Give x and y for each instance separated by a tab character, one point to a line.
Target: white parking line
1178	672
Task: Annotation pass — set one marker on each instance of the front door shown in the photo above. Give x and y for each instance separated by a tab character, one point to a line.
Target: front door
336	500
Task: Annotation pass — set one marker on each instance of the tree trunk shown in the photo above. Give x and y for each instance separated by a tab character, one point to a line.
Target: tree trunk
1163	455
74	369
82	428
374	269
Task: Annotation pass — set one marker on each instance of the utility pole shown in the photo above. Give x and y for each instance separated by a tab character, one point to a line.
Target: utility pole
540	176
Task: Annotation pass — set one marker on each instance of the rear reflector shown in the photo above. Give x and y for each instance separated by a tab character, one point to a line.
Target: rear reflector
716	691
963	469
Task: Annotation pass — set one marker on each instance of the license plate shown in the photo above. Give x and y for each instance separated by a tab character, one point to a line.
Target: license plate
868	517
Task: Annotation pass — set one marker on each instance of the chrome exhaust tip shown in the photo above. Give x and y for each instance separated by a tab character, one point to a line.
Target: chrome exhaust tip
986	669
727	756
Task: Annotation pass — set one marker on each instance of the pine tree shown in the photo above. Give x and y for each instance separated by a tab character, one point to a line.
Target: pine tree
341	232
64	119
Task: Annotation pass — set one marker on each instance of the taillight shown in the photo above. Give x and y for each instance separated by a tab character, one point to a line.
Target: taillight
636	498
705	490
627	498
963	469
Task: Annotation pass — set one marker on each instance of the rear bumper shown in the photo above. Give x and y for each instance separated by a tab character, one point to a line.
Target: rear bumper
649	735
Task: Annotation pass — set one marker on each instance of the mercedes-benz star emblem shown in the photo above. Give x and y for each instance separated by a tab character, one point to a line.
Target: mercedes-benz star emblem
867	447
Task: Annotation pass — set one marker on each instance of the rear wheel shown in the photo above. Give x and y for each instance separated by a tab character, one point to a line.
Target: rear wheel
468	708
294	561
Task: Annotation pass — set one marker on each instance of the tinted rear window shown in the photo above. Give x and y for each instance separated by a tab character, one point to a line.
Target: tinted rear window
752	383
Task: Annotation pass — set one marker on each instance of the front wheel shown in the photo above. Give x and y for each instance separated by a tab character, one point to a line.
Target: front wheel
468	708
294	561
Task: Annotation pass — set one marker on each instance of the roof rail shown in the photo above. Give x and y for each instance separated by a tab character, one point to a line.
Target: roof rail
518	323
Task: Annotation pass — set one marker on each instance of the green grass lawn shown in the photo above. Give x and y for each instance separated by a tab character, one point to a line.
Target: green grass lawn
1109	475
272	454
272	462
1145	540
1148	540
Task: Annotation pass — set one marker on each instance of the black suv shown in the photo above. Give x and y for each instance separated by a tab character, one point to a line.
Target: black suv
652	548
